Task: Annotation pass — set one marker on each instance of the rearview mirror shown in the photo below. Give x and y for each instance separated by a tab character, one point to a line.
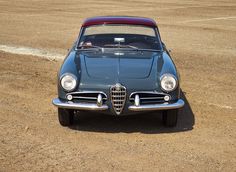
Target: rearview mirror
119	40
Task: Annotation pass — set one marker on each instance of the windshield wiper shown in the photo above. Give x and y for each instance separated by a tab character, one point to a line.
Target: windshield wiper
91	47
151	50
121	46
130	46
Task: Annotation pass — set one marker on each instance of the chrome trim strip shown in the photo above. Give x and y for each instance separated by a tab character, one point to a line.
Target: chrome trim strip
87	92
84	98
164	106
79	106
149	98
147	92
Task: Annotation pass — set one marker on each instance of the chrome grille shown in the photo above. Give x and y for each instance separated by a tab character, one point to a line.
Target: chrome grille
118	97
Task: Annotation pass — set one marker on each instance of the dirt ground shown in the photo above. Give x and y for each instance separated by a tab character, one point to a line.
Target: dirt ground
202	37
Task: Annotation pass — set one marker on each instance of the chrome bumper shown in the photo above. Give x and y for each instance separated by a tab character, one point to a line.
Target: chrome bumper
164	106
80	106
92	106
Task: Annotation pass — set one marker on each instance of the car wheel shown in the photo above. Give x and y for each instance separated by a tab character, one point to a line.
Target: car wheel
65	116
170	117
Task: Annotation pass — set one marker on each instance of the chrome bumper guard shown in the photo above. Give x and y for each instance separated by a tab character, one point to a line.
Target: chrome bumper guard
79	106
164	106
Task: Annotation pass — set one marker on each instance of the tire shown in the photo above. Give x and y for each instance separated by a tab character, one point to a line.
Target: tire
65	116
170	117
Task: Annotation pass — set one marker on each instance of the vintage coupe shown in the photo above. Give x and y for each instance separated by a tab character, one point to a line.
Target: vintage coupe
118	66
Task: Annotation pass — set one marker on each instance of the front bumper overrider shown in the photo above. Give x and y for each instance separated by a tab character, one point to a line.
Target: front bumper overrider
94	107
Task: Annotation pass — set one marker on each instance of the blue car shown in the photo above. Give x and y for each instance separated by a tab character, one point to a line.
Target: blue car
118	66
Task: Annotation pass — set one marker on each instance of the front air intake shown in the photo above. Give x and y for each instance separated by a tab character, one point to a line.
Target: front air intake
118	97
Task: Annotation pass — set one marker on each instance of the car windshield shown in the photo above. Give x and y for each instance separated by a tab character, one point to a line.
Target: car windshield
119	36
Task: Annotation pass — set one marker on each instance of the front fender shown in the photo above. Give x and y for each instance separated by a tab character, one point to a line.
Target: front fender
166	65
71	64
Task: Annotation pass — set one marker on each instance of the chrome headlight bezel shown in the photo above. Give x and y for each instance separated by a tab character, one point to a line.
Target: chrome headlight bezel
168	77
71	77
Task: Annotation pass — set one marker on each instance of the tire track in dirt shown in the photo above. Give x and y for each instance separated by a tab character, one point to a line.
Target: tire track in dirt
21	50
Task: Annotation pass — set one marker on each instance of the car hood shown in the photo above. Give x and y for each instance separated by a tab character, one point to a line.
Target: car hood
130	64
136	70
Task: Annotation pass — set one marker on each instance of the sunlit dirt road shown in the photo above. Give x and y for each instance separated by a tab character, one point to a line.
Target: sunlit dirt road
202	37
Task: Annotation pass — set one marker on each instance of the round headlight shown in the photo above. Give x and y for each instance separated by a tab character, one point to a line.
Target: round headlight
168	82
68	81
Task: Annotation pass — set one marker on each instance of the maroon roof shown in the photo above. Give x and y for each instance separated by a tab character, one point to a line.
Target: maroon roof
119	20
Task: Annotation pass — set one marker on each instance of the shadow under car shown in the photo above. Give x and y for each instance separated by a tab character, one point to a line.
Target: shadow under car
149	122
